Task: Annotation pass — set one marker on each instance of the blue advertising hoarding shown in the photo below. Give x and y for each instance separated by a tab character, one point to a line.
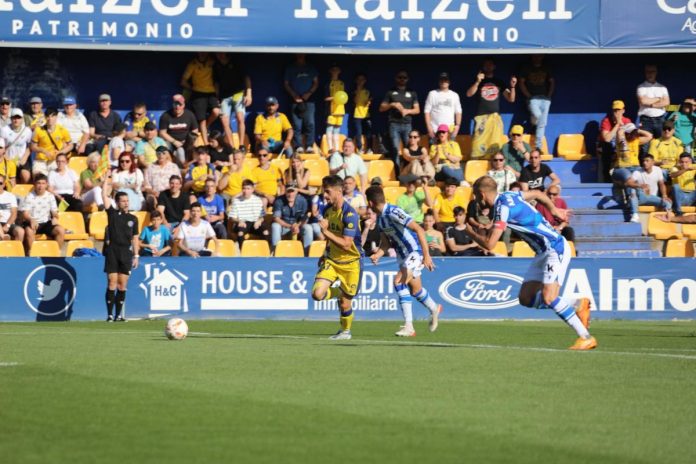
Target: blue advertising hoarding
37	289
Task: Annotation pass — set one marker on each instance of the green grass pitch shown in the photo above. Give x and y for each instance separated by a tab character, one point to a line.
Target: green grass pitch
280	392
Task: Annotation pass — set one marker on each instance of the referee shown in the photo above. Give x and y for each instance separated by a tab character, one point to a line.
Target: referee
121	247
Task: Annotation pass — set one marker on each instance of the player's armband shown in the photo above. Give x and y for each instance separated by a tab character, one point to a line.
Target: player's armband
500	225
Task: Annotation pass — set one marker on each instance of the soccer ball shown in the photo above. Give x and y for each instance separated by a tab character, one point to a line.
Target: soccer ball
176	329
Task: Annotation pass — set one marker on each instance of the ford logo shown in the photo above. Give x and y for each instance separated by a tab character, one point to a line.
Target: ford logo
482	290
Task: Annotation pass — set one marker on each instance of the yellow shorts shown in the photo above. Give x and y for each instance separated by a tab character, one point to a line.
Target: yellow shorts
335	120
348	274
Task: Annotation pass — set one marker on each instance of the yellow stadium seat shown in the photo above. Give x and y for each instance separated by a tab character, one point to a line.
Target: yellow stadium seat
521	249
251	163
21	190
573	253
572	147
646	209
78	164
679	248
75	244
465	193
316	249
325	144
384	169
74	225
688	209
689	230
464	141
256	249
318	169
282	163
531	140
226	248
45	249
11	248
289	249
143	219
391	194
371	156
500	249
662	230
97	224
475	169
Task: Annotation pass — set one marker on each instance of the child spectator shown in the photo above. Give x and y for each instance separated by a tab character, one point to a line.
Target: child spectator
214	208
246	215
199	171
413	199
361	115
194	233
371	236
220	154
117	144
336	110
435	239
155	240
459	243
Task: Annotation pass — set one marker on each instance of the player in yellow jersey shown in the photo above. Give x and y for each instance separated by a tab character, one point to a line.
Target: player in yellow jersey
336	110
341	262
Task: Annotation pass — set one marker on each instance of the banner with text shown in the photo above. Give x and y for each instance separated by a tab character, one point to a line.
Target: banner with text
280	288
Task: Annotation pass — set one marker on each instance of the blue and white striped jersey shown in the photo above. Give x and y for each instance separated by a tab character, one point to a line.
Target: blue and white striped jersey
393	222
512	211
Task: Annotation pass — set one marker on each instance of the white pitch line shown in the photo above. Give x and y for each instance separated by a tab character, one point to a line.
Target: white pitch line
9	364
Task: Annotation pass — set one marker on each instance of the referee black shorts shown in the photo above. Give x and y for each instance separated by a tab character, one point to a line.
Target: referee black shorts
118	260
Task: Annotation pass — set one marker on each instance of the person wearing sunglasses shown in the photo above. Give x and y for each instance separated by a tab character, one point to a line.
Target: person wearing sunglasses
129	179
415	160
135	124
401	104
502	174
179	128
516	151
666	148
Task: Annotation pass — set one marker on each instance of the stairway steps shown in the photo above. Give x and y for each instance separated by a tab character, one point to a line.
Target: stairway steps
619	254
607	229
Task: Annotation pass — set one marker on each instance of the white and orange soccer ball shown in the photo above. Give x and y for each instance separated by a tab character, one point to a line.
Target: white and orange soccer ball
176	329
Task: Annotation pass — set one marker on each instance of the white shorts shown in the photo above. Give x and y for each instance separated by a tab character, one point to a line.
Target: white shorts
230	103
413	262
549	267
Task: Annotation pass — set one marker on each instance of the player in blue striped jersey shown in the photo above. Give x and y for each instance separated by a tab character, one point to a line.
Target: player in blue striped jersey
542	283
412	255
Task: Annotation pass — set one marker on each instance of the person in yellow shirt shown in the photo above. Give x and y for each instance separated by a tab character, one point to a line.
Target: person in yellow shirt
361	115
667	148
199	172
198	79
267	177
446	155
336	110
342	260
8	168
443	209
48	142
232	176
270	127
683	183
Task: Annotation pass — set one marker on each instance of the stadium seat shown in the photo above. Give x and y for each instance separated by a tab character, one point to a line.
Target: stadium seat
531	140
500	249
97	224
679	248
225	249
235	140
572	147
11	248
371	156
465	193
475	169
316	249
662	230
318	169
143	219
251	163
78	164
289	249
384	169
256	249
646	209
325	144
464	141
74	225
392	193
521	249
21	190
689	230
282	163
573	253
45	249
75	244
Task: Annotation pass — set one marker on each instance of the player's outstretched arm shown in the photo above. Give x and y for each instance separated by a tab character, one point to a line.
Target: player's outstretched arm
487	242
540	197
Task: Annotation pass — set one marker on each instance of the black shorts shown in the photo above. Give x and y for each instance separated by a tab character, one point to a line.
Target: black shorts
10	231
46	228
118	260
202	104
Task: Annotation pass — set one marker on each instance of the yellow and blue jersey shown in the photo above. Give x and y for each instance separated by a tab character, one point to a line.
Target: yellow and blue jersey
344	222
336	109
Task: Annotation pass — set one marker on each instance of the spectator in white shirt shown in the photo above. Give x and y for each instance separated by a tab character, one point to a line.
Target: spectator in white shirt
653	100
8	214
76	124
194	233
17	137
64	183
246	215
443	106
644	186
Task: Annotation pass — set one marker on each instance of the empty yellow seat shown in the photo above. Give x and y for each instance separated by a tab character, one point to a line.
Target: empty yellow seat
384	169
143	219
662	230
531	140
318	169
225	248
289	249
391	194
679	248
572	147
573	253
465	193
75	244
45	249
256	249
11	248
316	249
97	224
78	164
281	163
689	230
521	249
475	169
21	190
74	225
500	249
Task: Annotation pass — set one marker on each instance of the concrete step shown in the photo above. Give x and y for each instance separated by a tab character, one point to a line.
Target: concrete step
608	229
620	254
589	189
615	244
591	202
586	215
576	172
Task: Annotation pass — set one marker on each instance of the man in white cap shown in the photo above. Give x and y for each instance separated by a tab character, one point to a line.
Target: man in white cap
17	137
75	123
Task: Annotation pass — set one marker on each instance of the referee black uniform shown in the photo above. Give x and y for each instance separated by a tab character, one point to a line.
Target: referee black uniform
118	254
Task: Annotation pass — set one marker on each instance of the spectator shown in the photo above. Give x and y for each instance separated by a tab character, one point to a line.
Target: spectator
232	176
271	127
534	175
18	136
8	214
179	128
371	237
129	179
301	82
198	77
667	148
336	111
561	226
90	184
146	148
102	124
158	175
48	142
193	234
349	163
644	186
362	99
443	208
5	110
458	241
220	154
488	125
538	84
317	212
155	239
684	123
35	117
413	199
416	160
479	217
39	214
354	197
198	173
64	184
443	107
435	239
516	151
173	204
135	122
653	100
76	124
609	135
298	174
626	158
214	208
290	218
246	215
502	174
683	185
117	144
448	156
8	168
234	89
268	178
401	103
